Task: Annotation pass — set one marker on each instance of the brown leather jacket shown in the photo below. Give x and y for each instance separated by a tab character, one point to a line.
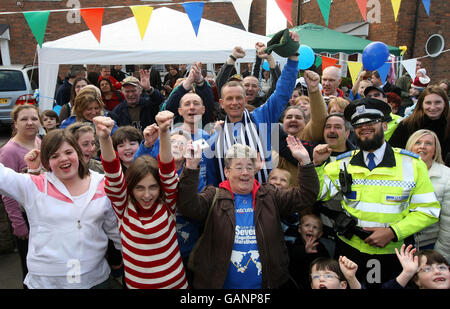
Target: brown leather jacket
212	258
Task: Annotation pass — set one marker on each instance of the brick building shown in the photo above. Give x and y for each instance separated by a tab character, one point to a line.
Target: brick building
412	28
20	41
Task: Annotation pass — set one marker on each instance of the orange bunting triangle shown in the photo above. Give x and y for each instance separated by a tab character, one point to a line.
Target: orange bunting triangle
94	20
326	62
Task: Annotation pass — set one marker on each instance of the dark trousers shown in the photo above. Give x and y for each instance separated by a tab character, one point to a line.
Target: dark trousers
22	248
373	269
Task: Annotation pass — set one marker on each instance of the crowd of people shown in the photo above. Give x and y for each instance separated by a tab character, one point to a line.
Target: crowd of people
278	179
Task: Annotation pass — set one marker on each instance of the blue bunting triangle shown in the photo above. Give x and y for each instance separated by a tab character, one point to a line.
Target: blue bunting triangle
194	10
426	4
383	71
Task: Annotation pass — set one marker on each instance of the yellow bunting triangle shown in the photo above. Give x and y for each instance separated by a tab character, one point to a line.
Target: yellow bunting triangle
354	68
396	7
142	15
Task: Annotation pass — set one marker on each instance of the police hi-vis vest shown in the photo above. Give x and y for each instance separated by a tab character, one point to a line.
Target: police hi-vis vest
397	193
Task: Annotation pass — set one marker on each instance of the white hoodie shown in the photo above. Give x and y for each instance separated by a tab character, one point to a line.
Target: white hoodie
65	239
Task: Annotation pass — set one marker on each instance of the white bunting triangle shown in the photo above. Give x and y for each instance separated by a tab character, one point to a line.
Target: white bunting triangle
242	8
410	66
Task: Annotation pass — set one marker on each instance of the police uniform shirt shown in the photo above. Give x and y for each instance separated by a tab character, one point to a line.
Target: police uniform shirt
379	154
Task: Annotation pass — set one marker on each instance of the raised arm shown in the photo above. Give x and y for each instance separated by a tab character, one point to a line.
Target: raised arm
103	128
164	120
227	68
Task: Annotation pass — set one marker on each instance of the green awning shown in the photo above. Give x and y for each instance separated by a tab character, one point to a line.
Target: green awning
322	39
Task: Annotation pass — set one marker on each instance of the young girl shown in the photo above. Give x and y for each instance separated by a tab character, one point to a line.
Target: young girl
84	134
69	213
144	203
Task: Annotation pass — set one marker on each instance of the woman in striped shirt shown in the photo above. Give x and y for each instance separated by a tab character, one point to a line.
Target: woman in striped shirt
144	202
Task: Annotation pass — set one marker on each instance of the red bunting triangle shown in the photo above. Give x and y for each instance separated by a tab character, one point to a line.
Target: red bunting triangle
94	20
285	7
326	62
362	4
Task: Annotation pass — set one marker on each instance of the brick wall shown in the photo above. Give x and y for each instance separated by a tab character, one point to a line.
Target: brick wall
22	43
412	28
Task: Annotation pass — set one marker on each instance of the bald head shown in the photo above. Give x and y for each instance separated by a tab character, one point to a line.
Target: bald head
331	78
251	86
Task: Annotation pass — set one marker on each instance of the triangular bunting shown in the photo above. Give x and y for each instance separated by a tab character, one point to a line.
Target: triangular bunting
354	69
37	21
318	61
396	7
285	7
324	6
142	15
94	20
426	4
242	8
410	67
326	62
383	71
195	11
362	4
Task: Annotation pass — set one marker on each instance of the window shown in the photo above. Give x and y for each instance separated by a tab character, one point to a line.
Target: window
11	80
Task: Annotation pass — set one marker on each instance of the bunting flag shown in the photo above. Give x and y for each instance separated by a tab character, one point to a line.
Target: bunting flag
383	71
362	4
324	6
396	7
410	67
37	21
94	20
354	69
327	61
142	15
426	4
194	10
318	61
285	7
242	8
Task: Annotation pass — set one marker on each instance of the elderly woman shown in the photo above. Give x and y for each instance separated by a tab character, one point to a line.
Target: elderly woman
426	144
242	244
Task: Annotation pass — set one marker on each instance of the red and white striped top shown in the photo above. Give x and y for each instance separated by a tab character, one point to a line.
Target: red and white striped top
151	255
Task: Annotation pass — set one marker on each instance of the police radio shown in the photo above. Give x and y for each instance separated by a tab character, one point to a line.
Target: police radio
345	180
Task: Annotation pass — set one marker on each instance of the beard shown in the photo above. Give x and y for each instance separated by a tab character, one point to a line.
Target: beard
373	143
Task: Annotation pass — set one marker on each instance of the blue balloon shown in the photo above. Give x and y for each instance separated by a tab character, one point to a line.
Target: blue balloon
306	57
375	55
265	66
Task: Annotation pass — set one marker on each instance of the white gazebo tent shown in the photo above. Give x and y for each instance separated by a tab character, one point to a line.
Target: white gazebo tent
170	38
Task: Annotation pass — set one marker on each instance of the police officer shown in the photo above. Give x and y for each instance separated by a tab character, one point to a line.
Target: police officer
385	190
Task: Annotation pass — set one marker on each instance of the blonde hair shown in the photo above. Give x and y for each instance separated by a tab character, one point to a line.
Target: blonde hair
437	157
239	151
339	102
86	95
301	98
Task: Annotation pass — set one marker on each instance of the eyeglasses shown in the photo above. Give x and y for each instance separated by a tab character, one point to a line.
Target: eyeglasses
240	169
429	268
369	124
316	276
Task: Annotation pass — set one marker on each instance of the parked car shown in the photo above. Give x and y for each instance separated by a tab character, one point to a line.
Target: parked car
17	86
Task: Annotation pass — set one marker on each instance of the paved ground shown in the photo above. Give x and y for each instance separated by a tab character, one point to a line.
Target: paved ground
11	273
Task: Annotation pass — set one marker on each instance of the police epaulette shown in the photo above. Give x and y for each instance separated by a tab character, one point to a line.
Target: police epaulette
344	155
409	153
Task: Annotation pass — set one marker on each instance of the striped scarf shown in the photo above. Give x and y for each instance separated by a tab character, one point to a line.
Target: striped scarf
247	135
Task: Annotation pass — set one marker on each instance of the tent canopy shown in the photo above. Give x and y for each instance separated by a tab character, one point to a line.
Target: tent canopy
170	38
322	39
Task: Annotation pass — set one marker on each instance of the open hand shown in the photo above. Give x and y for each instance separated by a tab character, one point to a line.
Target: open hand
144	76
298	150
409	262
